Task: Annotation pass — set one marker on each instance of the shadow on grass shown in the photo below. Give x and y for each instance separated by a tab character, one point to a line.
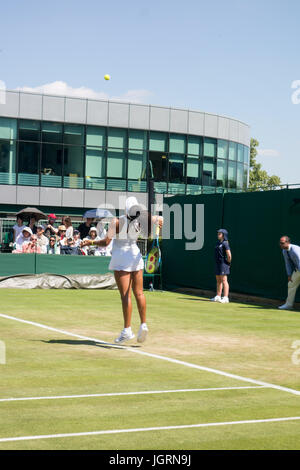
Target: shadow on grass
199	300
88	343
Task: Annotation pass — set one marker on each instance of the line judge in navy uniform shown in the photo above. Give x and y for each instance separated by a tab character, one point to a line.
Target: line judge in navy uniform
223	260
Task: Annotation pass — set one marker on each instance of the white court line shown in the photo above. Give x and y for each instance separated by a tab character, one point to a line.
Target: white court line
118	394
164	358
160	428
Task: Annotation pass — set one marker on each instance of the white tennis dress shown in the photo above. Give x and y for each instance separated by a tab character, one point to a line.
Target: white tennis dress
126	255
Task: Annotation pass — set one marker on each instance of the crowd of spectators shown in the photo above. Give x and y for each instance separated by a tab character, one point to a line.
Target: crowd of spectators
55	239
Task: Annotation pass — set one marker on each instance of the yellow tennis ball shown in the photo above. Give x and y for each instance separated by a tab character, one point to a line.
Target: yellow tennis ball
107	77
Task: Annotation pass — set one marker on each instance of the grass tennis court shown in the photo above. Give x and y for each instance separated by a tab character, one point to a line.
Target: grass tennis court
197	360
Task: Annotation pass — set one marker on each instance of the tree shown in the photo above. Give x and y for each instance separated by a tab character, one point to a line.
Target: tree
259	178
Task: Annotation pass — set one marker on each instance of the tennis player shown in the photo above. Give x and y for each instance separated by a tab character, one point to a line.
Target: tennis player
223	259
128	264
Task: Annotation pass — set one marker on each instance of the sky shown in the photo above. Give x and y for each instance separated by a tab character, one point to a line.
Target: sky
238	58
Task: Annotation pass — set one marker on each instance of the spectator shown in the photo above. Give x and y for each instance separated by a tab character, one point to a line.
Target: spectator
93	249
42	241
76	237
23	237
18	228
69	227
61	235
69	248
31	246
291	256
53	247
50	229
32	224
84	228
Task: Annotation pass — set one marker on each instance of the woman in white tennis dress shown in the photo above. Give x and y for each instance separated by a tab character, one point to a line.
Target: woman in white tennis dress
128	265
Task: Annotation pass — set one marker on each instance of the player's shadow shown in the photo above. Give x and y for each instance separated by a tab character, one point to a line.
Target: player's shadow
198	300
81	342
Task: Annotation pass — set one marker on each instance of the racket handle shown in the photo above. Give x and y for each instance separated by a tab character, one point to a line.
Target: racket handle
157	230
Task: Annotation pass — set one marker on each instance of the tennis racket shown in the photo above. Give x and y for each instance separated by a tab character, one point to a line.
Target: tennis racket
153	258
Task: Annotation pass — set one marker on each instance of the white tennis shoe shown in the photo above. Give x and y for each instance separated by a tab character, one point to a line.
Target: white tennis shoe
124	336
217	298
285	307
142	334
224	300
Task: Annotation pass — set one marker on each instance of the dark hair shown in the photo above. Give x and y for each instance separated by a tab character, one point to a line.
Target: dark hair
287	239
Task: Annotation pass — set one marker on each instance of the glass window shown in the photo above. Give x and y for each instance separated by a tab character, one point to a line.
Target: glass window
194	145
192	171
222	149
210	147
8	128
116	164
117	138
137	164
158	141
51	132
28	163
245	177
95	168
74	134
232	151
209	173
240	176
176	168
177	143
95	136
29	130
73	166
231	175
51	165
221	173
240	153
137	140
158	164
7	162
246	155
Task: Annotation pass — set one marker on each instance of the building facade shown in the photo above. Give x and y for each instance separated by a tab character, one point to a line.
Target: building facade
63	153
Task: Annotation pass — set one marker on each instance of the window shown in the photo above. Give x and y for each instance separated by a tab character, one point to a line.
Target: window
240	153
246	155
137	140
51	132
8	128
29	130
240	176
117	138
223	149
73	134
176	169
209	173
221	173
158	142
116	164
73	166
231	175
177	143
137	165
95	136
28	163
51	165
95	168
7	162
210	147
194	146
192	171
245	177
158	164
232	151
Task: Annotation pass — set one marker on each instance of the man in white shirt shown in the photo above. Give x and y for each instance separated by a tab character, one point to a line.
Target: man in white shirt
42	241
18	227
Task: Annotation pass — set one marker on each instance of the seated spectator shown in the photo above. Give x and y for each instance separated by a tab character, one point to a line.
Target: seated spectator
76	237
66	221
31	246
42	241
50	229
62	235
23	237
69	248
93	249
53	247
18	227
84	228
